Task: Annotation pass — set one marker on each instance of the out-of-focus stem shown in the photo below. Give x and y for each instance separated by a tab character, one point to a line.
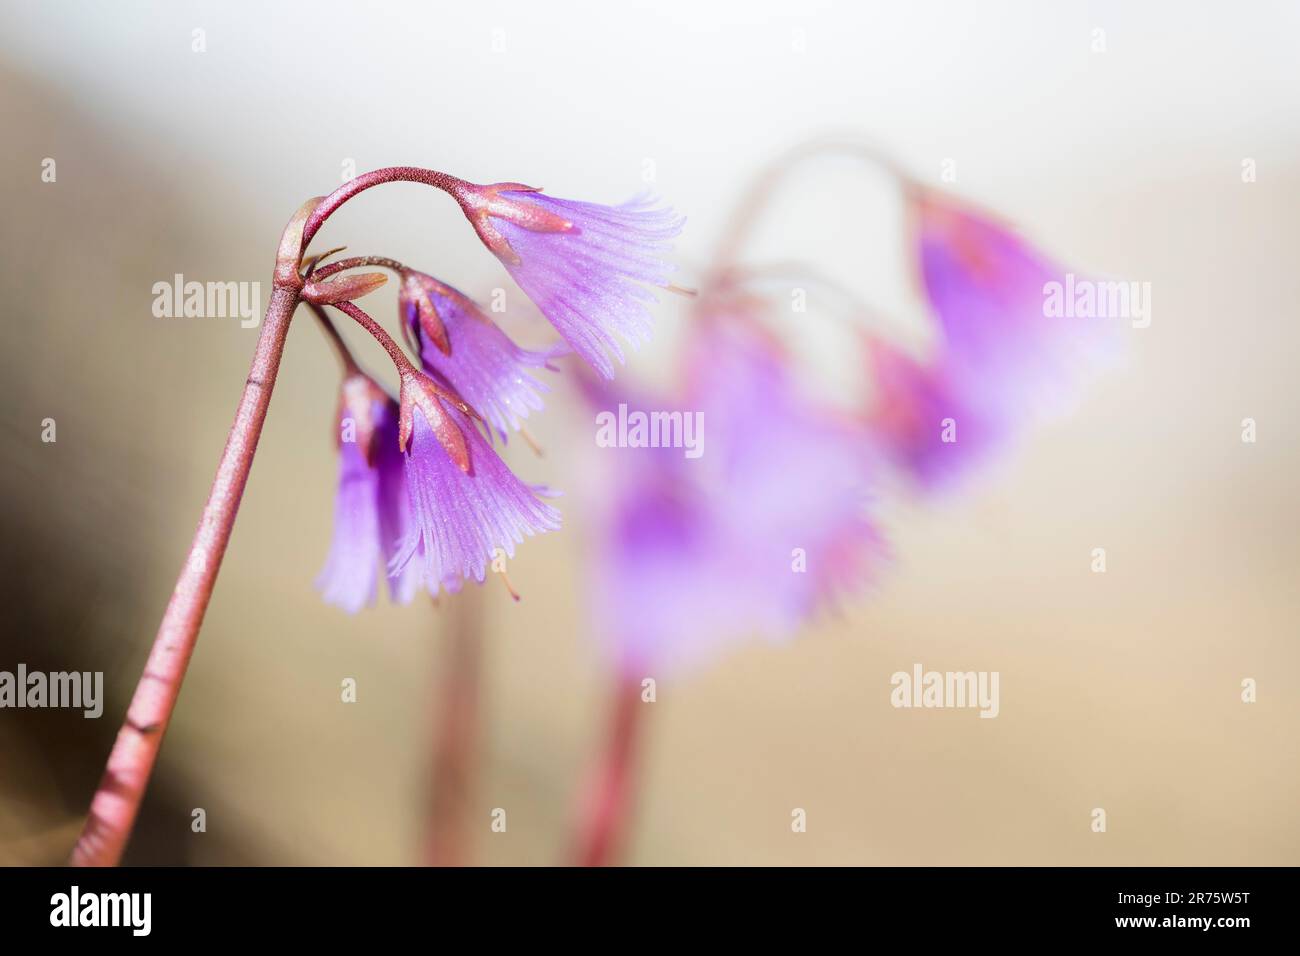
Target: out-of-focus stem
607	803
456	733
855	312
754	202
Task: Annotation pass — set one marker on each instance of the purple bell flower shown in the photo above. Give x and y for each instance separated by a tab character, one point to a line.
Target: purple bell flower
586	266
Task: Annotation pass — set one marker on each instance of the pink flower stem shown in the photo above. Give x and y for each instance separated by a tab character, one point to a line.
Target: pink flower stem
456	732
355	262
608	801
380	335
336	340
116	803
392	174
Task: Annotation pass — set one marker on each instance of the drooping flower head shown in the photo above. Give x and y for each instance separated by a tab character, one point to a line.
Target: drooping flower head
923	419
988	290
585	265
667	588
465	501
798	475
458	341
750	539
371	510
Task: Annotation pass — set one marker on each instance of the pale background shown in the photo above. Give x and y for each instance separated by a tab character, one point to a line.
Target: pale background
1118	690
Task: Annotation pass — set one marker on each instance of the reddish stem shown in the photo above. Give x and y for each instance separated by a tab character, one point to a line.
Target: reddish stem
381	336
391	174
456	733
608	801
116	803
336	340
356	262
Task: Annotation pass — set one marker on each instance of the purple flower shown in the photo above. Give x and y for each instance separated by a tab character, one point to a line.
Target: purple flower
584	265
459	342
1002	358
668	588
798	476
371	512
924	419
749	540
465	502
988	289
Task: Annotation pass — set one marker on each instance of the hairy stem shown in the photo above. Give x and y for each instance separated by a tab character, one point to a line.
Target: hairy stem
116	803
608	803
336	340
378	177
356	262
381	336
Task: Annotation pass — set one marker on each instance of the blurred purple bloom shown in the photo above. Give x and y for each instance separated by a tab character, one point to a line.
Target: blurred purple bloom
371	511
1002	360
924	421
584	265
988	290
480	361
797	474
751	539
667	586
461	513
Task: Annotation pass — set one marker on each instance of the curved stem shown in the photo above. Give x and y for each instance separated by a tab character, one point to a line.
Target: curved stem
391	174
381	336
754	201
116	803
857	311
332	333
608	800
356	262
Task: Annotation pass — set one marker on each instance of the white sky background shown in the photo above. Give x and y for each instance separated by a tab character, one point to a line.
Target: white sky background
575	101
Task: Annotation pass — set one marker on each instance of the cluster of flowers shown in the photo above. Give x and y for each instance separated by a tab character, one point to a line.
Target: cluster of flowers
691	553
752	538
422	492
776	520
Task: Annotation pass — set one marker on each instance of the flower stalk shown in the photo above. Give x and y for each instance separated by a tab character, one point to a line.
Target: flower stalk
116	803
583	264
608	801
